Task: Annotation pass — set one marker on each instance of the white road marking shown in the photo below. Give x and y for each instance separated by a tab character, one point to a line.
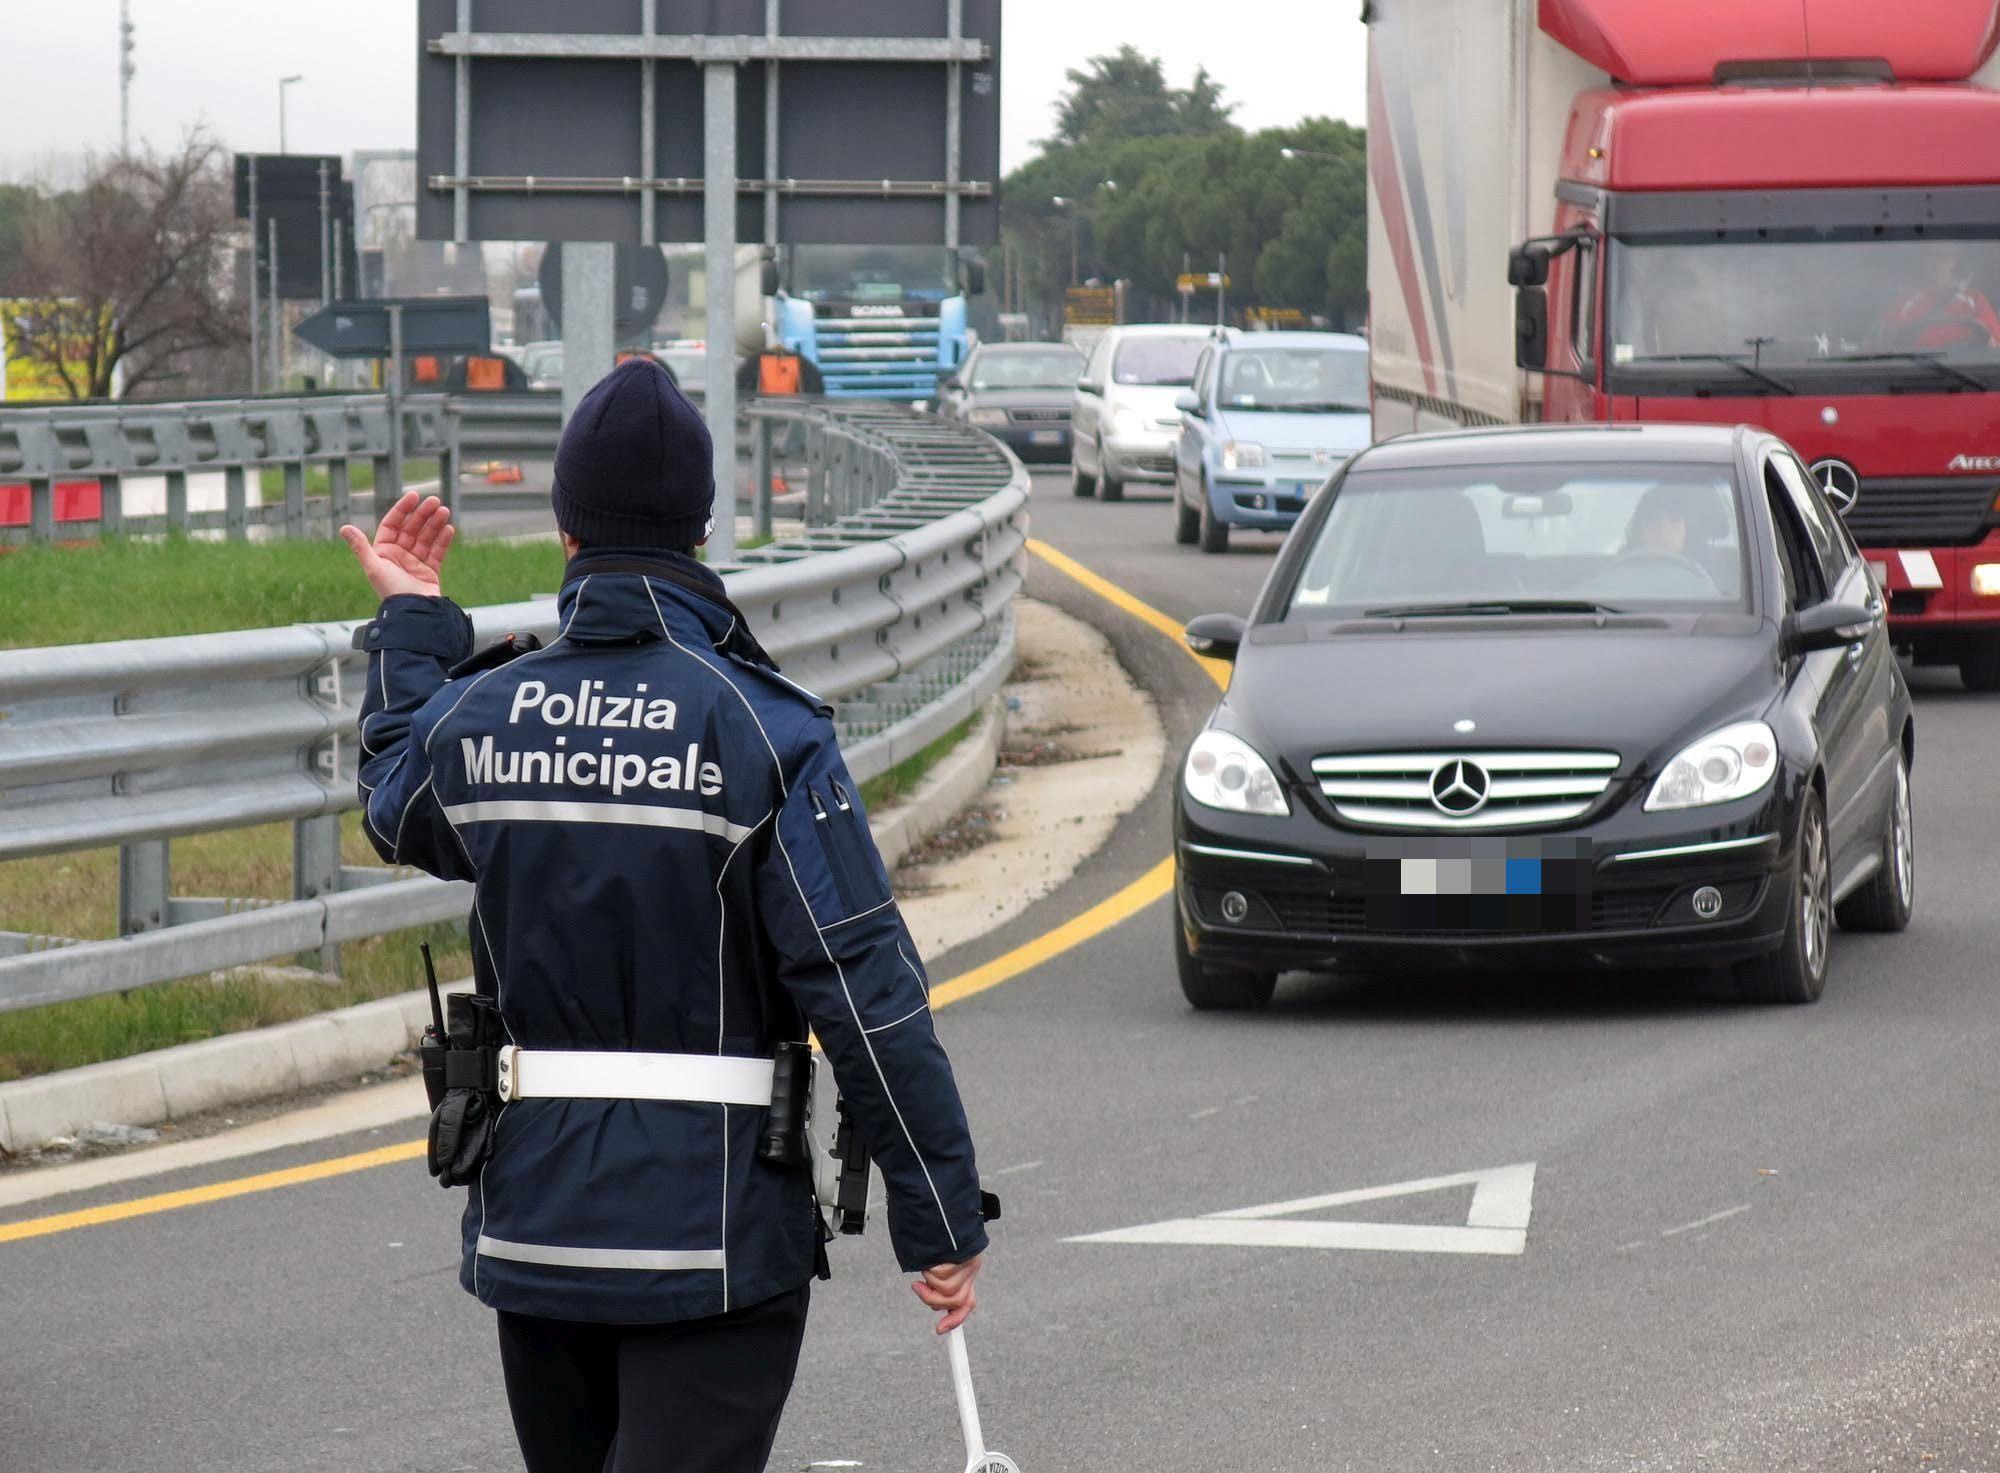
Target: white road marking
1018	1169
1688	1227
1495	1224
1204	1114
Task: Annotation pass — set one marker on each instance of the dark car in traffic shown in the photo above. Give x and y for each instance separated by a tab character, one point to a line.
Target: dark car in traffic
1552	697
1017	392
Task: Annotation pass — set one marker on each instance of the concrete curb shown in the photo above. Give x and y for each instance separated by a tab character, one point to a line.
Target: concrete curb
172	1083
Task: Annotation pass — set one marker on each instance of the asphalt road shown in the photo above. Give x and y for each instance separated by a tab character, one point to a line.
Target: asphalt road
1760	1239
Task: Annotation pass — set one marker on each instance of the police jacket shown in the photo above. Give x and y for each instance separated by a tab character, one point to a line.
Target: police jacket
668	856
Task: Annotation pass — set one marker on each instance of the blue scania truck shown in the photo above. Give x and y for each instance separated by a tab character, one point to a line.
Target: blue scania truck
879	322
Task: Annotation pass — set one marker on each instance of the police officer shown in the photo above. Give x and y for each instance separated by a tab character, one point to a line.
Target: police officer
673	875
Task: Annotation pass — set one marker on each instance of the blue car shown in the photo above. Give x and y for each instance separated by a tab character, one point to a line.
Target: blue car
1270	417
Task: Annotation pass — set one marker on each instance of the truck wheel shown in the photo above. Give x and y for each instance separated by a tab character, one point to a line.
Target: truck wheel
1079	483
1885	902
1211	989
1980	668
1214	531
1796	971
1187	521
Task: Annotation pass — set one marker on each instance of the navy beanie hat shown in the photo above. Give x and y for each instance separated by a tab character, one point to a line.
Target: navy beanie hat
635	467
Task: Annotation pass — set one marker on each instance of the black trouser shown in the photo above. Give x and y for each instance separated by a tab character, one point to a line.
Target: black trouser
697	1396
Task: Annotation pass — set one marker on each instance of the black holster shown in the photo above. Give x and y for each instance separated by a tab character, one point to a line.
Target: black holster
462	1125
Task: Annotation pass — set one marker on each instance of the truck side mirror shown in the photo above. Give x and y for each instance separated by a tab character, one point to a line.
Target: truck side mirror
1531	328
1528	265
770	282
975	278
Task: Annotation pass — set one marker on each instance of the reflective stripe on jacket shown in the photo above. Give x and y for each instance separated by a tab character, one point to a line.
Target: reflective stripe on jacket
668	855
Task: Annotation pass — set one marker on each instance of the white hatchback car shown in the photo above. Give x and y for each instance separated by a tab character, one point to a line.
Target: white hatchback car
1124	423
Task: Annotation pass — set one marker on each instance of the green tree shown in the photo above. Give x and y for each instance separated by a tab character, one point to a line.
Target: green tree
1125	95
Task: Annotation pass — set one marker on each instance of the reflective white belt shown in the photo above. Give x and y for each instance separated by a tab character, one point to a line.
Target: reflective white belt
581	1074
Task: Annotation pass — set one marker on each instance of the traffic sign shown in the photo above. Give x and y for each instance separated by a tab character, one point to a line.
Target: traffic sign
1091	306
361	329
1496	1223
1194	281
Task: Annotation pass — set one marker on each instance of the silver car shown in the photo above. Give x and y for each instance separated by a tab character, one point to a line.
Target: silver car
1124	420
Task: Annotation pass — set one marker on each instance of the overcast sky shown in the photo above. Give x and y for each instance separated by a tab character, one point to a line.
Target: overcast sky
218	61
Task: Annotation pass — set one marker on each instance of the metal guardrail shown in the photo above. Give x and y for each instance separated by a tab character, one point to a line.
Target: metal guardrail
895	603
235	438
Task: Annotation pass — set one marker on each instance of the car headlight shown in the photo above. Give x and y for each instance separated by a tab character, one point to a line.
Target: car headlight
1724	765
988	418
1131	422
1225	772
1241	455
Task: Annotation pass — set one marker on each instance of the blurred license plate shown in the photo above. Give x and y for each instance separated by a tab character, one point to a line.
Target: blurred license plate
1478	884
1045	437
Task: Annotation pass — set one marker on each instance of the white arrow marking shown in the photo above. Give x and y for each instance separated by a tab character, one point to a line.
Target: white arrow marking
1496	1223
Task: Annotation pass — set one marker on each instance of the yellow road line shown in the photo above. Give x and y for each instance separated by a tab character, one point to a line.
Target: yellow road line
1101	917
1111	593
243	1186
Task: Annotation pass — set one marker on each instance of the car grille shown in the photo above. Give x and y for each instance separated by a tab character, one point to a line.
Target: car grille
1394	789
1039	416
1946	511
1326	913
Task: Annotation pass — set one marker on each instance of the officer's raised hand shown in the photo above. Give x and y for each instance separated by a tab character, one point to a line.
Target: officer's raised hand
407	555
948	1289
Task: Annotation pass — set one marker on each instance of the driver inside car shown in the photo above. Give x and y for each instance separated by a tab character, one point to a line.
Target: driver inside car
1679	521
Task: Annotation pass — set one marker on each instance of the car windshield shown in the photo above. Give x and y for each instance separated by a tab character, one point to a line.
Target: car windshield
1791	307
1052	368
1531	538
1158	361
1302	380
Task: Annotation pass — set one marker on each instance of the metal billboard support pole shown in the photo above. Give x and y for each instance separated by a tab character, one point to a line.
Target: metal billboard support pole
277	314
954	131
256	307
386	496
325	265
719	221
589	276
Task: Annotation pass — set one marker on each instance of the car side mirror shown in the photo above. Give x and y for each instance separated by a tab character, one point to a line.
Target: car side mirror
1187	401
1218	636
1828	626
1531	328
1089	386
768	281
950	381
1528	265
975	278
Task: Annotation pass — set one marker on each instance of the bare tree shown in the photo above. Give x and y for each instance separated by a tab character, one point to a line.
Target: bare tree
129	271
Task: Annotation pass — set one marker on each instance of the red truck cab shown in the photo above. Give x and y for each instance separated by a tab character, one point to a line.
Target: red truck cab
1790	217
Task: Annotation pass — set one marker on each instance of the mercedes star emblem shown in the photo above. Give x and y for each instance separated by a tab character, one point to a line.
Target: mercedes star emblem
1840	482
1459	788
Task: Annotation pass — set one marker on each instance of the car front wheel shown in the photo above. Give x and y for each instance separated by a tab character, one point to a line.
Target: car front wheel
1187	519
1109	487
1079	483
1213	989
1214	531
1796	971
1885	902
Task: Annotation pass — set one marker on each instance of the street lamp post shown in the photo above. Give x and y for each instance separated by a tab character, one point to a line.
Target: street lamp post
1306	153
283	83
1070	203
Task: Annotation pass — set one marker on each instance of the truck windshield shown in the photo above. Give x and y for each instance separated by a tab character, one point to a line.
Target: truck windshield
1298	380
1611	538
873	273
1792	311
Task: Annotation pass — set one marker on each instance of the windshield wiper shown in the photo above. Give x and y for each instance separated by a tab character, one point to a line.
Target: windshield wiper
1492	607
1734	360
1929	360
1307	408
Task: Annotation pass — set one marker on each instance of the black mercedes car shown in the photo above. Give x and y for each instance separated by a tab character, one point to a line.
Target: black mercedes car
1550	697
1017	392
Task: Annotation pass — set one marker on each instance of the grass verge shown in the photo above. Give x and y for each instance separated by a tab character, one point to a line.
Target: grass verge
903	779
360	477
126	588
